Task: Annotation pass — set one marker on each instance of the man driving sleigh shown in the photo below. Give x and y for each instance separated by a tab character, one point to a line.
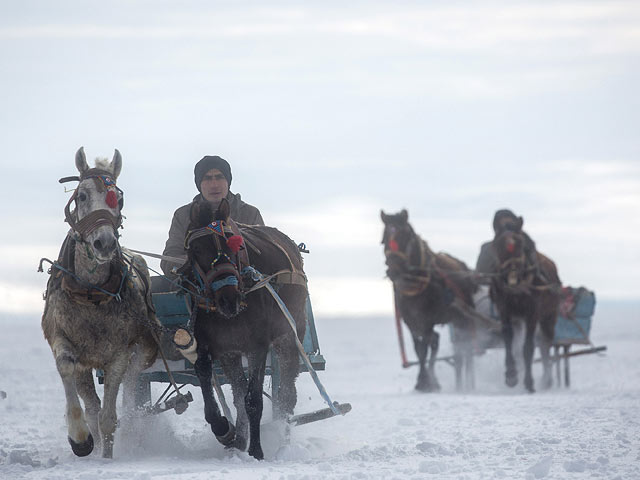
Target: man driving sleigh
212	175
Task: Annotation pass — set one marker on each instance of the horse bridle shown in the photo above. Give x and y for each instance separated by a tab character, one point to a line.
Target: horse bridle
514	271
105	184
419	274
210	281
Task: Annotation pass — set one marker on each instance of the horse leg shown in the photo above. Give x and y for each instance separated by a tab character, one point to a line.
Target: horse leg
434	343
547	328
220	426
527	351
87	391
78	432
140	358
511	374
288	360
470	377
108	418
234	371
458	363
253	400
463	364
470	344
463	328
421	348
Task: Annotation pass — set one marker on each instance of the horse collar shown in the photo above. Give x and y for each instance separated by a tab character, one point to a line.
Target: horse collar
83	293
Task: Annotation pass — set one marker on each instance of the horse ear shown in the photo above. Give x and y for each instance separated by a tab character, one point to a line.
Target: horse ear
404	215
383	216
520	223
201	214
116	164
223	210
81	161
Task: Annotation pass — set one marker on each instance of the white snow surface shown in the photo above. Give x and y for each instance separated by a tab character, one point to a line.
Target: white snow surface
591	430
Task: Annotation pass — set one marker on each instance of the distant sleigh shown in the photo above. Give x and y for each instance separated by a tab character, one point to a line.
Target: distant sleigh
573	328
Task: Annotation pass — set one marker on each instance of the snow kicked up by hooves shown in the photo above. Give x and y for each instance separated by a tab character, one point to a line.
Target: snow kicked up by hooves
590	431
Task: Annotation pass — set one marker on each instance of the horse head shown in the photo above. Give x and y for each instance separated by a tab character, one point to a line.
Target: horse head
98	204
509	246
212	247
397	239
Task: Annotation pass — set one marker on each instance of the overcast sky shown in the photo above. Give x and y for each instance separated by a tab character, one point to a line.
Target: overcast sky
328	113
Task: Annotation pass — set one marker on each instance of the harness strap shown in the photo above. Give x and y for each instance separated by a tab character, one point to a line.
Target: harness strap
176	260
283	277
265	237
86	293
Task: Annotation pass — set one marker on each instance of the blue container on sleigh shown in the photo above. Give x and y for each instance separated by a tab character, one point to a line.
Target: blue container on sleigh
574	320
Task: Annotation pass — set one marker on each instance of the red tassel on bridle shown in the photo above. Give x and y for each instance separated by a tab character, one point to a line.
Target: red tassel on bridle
393	245
112	199
234	243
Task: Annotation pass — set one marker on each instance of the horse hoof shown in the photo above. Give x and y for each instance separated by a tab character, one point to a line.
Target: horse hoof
82	449
427	388
228	438
239	443
256	453
511	380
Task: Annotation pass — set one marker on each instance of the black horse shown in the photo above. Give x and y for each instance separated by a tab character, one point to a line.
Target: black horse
232	320
526	286
430	289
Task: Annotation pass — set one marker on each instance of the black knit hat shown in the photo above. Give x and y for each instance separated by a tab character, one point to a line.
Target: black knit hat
500	217
207	163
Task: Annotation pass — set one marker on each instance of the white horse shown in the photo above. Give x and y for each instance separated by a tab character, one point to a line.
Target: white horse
98	313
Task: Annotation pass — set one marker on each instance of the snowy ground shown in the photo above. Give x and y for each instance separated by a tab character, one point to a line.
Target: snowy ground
589	431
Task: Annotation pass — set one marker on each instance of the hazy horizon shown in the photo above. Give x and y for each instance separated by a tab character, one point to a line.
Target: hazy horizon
329	113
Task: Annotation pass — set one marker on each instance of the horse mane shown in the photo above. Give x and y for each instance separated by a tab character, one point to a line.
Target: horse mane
264	245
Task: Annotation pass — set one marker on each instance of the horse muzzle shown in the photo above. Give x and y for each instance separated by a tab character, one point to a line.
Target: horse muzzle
104	244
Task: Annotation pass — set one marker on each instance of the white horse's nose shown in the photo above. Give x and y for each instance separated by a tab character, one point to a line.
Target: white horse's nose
105	244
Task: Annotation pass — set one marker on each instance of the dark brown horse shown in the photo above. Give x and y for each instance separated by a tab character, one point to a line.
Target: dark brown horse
232	321
430	289
526	286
